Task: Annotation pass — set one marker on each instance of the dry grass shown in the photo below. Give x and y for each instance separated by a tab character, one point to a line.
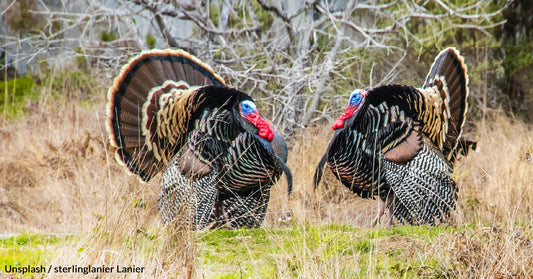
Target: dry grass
57	177
332	202
496	183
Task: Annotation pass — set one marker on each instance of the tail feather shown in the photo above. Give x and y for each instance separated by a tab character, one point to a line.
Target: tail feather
449	64
132	104
138	161
156	99
464	147
166	67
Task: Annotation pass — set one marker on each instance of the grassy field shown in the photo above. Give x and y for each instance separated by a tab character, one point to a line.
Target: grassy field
64	201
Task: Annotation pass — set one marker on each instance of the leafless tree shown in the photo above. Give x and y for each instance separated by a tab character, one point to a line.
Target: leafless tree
296	57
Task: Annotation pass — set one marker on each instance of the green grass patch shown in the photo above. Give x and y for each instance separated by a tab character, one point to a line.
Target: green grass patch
342	249
15	94
28	249
300	251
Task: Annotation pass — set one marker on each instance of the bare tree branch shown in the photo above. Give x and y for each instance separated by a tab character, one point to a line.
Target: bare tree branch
331	57
293	58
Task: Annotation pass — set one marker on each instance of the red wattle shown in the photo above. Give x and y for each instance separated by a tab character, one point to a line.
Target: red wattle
270	135
264	128
266	133
339	123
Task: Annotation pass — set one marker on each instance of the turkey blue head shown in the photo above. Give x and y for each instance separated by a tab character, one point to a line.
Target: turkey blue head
249	111
357	99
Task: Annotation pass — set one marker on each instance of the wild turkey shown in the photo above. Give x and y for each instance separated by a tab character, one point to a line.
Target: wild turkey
168	111
399	143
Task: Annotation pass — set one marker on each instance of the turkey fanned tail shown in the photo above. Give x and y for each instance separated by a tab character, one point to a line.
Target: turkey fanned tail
153	89
448	75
